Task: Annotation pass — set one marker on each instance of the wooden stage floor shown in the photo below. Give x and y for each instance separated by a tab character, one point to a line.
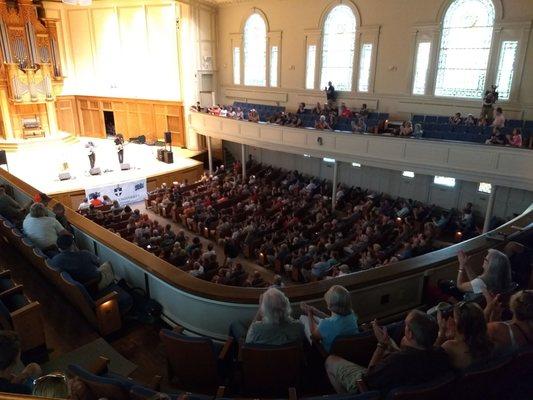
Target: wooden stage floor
40	166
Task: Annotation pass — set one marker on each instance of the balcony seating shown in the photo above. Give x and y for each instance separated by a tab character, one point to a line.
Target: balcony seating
20	314
194	361
438	389
270	370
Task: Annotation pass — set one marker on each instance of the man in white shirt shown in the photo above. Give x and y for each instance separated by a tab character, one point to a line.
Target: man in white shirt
43	230
499	118
84	205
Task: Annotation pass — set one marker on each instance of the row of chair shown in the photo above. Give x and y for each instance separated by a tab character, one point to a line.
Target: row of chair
445	119
20	314
102	308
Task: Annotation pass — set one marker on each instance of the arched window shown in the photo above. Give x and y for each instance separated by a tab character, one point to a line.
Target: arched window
255	51
465	48
338	48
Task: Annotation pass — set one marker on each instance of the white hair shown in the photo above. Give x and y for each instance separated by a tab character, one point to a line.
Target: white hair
275	306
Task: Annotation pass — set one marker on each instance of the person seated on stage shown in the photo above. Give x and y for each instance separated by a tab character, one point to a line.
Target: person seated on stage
59	211
273	324
414	362
324	328
10	208
95	201
10	381
84	205
106	200
43	230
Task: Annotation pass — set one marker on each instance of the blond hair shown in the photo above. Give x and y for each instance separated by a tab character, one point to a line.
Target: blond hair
338	300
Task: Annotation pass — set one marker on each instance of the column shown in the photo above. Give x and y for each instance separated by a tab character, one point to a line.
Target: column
335	179
6	116
52	118
209	155
243	159
490	209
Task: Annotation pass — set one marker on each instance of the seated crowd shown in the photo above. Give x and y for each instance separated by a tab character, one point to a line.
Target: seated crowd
331	117
285	221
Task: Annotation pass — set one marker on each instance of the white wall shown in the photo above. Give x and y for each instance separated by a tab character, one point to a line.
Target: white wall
393	27
125	48
421	187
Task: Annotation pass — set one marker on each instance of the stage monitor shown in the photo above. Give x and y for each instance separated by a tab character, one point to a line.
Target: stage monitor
124	167
168	137
64	176
168	157
95	171
3	157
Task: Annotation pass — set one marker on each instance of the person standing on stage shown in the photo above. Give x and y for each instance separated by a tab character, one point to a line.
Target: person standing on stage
90	152
119	145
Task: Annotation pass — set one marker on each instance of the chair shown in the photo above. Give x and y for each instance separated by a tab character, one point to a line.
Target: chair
20	314
270	369
102	385
193	361
6	282
437	389
516	382
480	381
142	393
370	395
355	348
104	309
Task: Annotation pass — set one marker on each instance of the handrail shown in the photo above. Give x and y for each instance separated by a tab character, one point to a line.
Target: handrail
186	282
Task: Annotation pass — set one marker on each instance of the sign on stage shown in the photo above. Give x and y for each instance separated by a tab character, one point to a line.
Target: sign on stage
124	192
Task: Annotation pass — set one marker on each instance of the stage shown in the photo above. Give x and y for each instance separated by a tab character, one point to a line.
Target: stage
40	164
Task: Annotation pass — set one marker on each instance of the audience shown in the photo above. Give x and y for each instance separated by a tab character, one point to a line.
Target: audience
324	328
463	335
496	275
10	380
414	362
499	119
517	332
43	230
10	208
515	139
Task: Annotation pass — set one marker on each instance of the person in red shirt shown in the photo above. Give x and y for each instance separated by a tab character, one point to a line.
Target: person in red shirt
345	111
95	201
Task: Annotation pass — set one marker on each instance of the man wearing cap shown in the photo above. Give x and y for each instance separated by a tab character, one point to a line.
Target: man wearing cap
80	264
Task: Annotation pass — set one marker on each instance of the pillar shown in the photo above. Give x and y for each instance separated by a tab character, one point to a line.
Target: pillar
243	159
335	179
490	209
6	115
52	117
209	155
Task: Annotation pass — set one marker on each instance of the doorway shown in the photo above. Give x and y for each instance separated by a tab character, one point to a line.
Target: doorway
109	121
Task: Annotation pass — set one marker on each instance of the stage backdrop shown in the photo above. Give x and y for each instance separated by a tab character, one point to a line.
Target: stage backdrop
124	192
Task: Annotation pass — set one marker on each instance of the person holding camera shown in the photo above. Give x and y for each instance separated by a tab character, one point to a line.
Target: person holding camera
490	98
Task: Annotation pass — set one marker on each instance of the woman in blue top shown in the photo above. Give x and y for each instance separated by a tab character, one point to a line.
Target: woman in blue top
342	321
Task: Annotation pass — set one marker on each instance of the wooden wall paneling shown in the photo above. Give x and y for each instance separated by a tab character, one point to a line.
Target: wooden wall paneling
160	120
174	126
67	115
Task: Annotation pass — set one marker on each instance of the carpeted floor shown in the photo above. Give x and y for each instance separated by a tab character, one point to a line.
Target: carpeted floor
86	355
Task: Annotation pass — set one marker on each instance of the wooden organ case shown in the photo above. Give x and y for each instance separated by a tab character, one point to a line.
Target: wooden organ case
30	69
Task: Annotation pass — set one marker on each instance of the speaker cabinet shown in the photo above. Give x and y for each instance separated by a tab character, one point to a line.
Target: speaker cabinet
168	137
168	157
160	154
64	176
124	167
3	157
95	171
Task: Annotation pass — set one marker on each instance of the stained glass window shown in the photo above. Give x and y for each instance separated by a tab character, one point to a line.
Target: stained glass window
237	65
364	67
421	67
274	66
310	68
255	48
338	48
504	79
444	181
465	47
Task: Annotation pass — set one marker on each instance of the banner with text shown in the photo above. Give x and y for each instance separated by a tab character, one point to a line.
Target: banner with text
123	192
